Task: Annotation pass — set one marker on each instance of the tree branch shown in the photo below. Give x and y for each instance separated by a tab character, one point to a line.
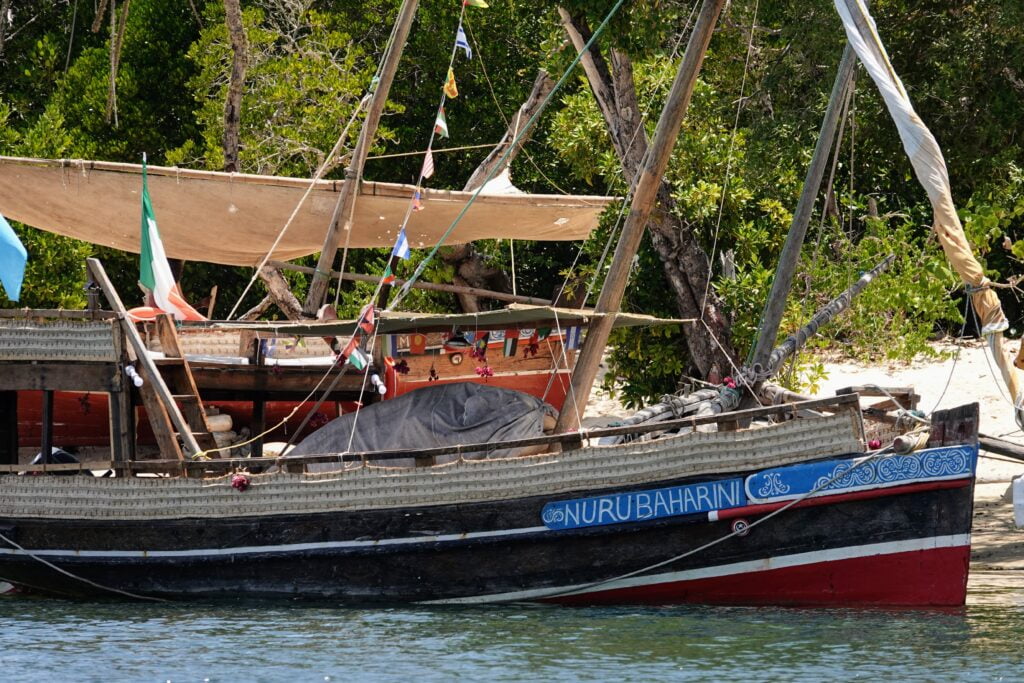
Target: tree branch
233	102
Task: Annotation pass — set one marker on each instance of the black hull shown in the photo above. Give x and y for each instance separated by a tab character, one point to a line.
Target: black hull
501	551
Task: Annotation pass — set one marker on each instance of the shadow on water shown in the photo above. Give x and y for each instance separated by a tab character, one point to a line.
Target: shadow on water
44	639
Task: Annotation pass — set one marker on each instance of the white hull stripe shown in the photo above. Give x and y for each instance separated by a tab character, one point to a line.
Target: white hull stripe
750	566
284	548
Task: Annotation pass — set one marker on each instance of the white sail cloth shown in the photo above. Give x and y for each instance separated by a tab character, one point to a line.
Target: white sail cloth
930	168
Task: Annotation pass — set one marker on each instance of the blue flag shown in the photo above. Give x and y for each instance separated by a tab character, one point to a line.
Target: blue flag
12	260
460	41
401	249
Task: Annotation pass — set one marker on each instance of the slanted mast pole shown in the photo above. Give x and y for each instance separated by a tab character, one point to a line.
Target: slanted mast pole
643	201
776	304
353	174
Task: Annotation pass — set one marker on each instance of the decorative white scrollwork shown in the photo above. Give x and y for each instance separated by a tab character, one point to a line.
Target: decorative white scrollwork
946	462
553	515
773	485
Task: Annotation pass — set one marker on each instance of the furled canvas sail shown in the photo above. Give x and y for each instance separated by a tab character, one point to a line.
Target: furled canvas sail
233	218
930	168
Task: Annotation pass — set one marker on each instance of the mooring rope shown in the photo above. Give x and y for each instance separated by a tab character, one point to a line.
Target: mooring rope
84	580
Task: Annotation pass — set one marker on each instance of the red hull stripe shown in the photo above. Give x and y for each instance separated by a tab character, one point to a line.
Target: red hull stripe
936	577
920	571
764	508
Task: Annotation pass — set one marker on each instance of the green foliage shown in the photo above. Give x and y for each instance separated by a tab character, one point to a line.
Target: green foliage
735	181
303	81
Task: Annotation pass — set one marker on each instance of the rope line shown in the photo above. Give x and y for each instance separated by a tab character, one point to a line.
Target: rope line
529	124
84	580
728	162
295	212
821	485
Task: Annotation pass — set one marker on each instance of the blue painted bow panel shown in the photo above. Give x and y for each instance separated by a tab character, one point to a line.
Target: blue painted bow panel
860	474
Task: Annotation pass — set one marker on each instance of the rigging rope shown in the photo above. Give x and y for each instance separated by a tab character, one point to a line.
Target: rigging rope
823	484
728	162
403	292
363	103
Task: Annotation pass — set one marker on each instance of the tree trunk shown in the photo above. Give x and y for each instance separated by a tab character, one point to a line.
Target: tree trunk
116	40
278	290
493	164
684	261
233	103
97	22
471	270
5	8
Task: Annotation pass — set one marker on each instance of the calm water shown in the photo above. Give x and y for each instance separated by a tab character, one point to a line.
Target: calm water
44	640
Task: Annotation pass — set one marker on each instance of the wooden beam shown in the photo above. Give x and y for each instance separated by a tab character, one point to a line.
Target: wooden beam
46	445
643	202
122	412
8	426
72	376
431	286
354	173
59	313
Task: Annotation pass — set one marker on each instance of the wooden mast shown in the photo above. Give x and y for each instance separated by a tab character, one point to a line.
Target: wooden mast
643	201
354	172
776	304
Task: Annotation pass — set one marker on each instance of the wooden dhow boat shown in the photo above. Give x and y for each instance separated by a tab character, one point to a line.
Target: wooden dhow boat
697	500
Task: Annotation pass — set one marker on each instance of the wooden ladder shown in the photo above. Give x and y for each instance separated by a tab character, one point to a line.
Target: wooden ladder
161	404
178	377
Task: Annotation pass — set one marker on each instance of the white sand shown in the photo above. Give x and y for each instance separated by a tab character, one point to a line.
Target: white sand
970	377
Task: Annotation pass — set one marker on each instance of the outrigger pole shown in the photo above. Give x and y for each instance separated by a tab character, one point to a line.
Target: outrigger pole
775	306
632	231
342	219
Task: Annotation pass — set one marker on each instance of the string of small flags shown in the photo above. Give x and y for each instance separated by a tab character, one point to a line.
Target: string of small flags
449	90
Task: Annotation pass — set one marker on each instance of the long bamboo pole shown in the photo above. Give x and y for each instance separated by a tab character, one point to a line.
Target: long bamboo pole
643	202
354	173
430	286
776	304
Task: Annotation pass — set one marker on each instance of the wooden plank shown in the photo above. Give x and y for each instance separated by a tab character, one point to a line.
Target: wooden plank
148	369
70	376
62	467
954	426
838	404
245	382
9	427
168	337
429	286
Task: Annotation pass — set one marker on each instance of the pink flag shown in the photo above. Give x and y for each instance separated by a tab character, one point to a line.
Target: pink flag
428	165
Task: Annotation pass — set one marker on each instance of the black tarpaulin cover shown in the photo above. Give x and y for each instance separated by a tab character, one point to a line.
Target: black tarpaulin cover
438	415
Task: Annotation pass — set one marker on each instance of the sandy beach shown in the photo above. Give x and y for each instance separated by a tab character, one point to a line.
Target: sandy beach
968	375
